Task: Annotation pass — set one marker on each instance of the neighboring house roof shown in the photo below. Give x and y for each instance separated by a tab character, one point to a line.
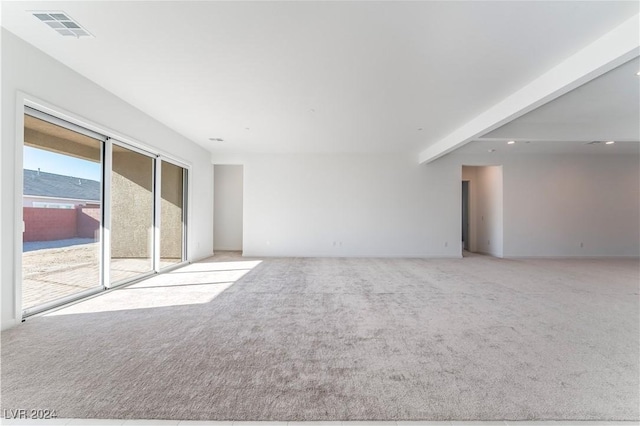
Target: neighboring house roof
42	184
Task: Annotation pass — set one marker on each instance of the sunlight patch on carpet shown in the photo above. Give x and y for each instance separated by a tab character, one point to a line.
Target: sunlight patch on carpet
193	284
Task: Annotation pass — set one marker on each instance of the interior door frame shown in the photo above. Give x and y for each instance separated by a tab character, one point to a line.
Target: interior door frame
467	241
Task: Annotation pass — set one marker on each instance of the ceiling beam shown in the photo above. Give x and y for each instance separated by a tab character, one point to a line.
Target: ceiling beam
608	52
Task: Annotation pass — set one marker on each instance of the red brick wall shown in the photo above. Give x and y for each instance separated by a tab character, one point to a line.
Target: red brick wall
88	222
48	224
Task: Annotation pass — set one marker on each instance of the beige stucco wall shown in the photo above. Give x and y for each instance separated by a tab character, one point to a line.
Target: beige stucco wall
171	212
132	207
131	204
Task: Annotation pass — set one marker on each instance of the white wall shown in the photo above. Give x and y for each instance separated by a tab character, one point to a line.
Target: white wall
350	205
227	207
388	205
29	70
489	210
554	203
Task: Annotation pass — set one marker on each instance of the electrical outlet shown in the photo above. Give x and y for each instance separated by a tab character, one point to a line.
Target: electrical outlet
446	243
581	245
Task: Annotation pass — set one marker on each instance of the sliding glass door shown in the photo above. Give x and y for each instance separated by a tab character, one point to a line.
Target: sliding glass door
62	213
132	214
97	213
172	214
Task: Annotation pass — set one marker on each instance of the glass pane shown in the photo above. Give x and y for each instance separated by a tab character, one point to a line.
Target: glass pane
171	214
131	214
61	212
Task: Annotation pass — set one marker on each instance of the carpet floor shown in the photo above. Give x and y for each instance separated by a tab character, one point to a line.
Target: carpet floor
342	339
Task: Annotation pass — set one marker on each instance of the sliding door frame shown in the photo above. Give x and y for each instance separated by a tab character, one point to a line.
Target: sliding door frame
108	138
157	212
102	139
186	194
155	186
105	229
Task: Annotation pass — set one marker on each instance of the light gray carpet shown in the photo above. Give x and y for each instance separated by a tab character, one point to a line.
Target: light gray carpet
342	339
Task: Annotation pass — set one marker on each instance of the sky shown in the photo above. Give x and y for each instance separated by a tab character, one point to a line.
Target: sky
60	164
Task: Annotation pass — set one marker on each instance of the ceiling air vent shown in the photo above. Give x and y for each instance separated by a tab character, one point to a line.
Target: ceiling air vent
62	23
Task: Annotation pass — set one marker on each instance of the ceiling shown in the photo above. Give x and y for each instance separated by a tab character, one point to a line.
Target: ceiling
549	147
606	108
322	76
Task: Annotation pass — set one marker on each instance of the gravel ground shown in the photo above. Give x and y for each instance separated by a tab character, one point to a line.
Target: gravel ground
57	259
41	245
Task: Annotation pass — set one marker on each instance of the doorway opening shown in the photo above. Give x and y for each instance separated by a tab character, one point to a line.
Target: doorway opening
465	215
228	207
482	210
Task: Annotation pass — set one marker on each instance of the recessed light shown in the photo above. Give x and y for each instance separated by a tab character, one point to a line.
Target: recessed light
216	139
61	22
610	142
511	142
638	73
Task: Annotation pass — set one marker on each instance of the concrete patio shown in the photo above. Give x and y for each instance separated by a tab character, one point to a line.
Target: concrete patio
53	273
